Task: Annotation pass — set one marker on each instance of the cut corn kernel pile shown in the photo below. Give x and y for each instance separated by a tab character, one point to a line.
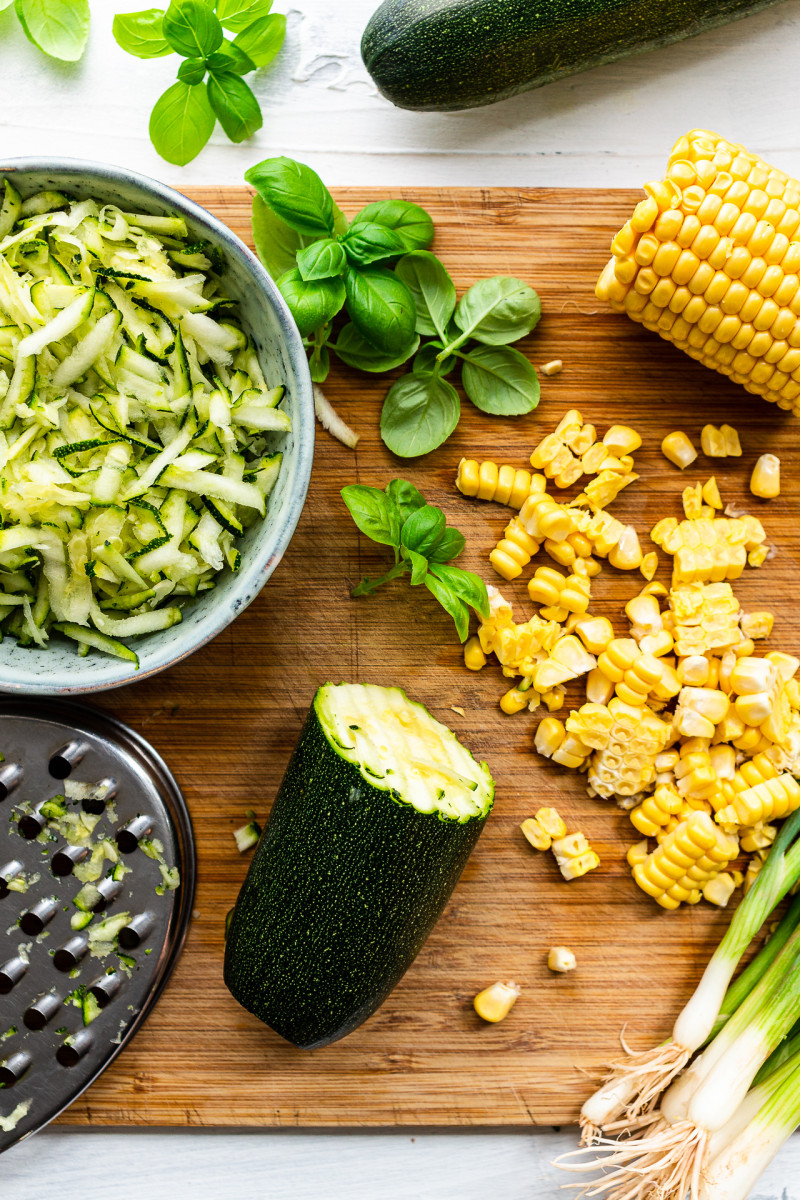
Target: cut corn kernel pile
710	261
693	731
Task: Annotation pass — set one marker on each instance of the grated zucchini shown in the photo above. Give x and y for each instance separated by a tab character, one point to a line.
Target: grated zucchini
136	426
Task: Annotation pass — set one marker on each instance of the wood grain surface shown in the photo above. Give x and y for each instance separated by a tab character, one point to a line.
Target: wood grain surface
226	720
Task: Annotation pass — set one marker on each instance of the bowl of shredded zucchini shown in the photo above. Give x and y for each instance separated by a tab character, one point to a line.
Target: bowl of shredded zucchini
156	426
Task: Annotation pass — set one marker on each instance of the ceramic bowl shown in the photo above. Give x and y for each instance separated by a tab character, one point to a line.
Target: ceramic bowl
58	669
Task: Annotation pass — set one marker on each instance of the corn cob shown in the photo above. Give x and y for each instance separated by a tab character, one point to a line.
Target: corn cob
708	261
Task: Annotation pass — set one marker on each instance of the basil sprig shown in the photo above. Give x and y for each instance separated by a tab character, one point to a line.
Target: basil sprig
423	545
209	87
379	272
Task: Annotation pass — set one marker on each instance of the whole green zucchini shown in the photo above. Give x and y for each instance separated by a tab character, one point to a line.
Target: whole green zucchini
376	816
452	54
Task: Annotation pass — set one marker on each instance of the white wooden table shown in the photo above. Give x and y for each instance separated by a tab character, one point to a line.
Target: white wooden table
613	127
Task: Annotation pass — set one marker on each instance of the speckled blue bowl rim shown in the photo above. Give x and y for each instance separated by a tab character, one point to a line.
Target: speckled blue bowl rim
253	574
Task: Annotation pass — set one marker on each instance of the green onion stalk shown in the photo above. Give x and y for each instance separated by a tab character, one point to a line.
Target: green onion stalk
629	1094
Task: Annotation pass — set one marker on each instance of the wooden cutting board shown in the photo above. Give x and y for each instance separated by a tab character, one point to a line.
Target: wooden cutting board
227	718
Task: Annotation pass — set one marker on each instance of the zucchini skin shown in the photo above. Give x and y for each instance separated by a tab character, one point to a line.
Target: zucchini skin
443	55
344	887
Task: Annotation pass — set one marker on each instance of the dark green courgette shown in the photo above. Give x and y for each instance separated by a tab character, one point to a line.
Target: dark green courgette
376	816
453	54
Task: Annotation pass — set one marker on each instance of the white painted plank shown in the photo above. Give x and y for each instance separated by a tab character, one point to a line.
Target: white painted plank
299	1165
612	126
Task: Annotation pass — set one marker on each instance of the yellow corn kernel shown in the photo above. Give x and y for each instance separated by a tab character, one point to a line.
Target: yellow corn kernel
554	367
514	701
637	854
644	614
765	480
544	518
599	688
753	869
474	658
657	644
561	959
561	552
720	443
760	837
538	837
786	665
699	710
694	670
553	700
594	632
589	567
678	449
626	555
649	564
545	585
757	557
555	612
719	889
549	736
496	1002
752	675
621	439
606	486
710	493
552	822
693	502
592	459
514	551
757	624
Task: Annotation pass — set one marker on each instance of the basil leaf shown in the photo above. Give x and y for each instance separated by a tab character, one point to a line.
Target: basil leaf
356	351
498	310
432	288
230	58
191	28
467	586
4	4
374	513
181	122
410	222
319	364
381	308
368	242
406	497
234	104
419	566
450	603
424	529
425	362
192	70
449	547
295	193
311	304
262	40
59	28
238	14
276	242
141	33
500	380
419	413
322	259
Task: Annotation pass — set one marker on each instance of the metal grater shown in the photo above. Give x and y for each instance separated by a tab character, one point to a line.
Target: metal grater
49	745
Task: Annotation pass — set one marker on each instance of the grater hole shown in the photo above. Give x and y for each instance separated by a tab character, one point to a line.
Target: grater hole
105	988
67	957
66	859
43	1009
63	761
109	889
96	800
130	835
31	824
10	974
9	871
35	919
135	932
10	776
70	1052
14	1068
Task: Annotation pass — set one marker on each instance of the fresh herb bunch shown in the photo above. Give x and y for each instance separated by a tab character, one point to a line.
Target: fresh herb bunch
378	269
59	28
183	119
423	545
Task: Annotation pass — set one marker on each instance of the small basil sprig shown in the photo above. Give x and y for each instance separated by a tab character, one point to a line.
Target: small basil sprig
423	545
379	271
59	28
210	86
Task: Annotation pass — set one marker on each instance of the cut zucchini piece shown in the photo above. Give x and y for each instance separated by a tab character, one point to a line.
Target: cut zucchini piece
374	821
